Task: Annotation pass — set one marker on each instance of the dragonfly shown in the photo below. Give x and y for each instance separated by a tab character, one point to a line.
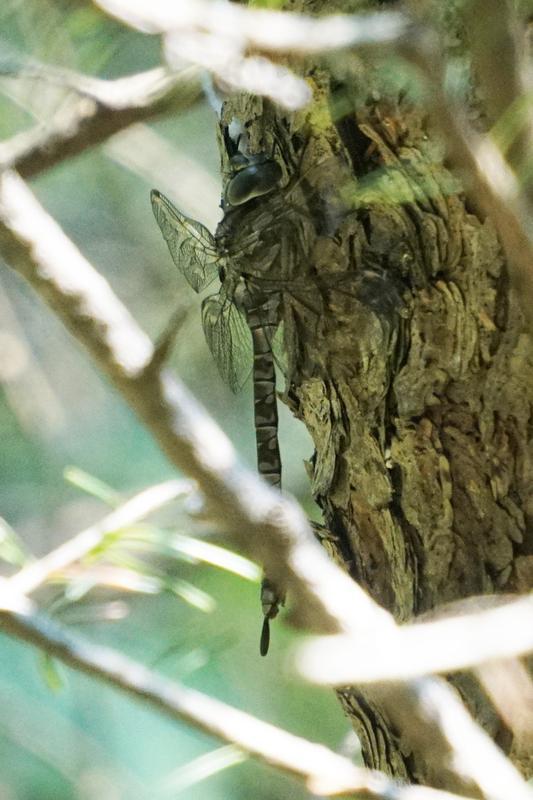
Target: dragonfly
255	253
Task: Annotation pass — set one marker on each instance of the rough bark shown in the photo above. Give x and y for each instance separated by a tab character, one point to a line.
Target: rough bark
413	378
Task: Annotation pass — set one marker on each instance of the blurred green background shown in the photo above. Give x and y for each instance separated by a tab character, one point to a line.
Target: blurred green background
62	735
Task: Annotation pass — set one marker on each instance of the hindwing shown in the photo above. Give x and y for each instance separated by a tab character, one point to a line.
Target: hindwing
228	337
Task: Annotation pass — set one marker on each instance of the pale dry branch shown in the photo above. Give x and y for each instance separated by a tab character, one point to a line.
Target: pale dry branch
269	31
230	40
224	59
410	651
440	730
510	688
491	32
322	770
266	525
30	577
446	716
102	108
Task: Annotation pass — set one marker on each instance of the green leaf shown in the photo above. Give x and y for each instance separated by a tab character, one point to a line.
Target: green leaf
202	768
49	669
77	588
183	589
149	538
93	486
191	594
216	556
12	548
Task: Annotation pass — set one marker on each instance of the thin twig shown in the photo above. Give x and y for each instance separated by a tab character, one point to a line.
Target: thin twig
322	770
30	577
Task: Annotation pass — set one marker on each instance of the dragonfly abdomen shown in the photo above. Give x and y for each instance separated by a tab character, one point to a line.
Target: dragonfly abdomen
262	323
265	407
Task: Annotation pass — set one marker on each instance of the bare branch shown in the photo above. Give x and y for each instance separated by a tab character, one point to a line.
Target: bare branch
323	771
509	686
270	31
444	645
265	524
38	572
218	37
491	32
102	109
254	74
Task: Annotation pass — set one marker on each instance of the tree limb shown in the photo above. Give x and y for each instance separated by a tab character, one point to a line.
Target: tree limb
459	642
102	108
220	36
270	31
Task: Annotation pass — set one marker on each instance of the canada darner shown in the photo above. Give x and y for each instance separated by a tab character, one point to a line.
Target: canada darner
254	252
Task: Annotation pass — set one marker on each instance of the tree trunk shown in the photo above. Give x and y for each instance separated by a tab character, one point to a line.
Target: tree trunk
412	377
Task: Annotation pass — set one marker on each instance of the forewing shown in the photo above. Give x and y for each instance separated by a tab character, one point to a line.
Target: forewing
229	339
192	246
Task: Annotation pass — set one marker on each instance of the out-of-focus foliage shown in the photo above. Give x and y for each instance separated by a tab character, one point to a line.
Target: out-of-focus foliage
61	735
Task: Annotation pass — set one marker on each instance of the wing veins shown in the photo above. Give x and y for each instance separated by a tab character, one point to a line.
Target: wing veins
192	246
228	338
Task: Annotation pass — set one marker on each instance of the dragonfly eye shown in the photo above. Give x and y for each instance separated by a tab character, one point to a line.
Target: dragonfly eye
259	177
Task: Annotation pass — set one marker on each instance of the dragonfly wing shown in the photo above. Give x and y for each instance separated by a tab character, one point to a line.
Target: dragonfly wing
192	246
229	339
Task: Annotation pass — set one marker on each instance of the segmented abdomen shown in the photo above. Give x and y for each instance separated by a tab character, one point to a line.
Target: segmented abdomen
265	404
